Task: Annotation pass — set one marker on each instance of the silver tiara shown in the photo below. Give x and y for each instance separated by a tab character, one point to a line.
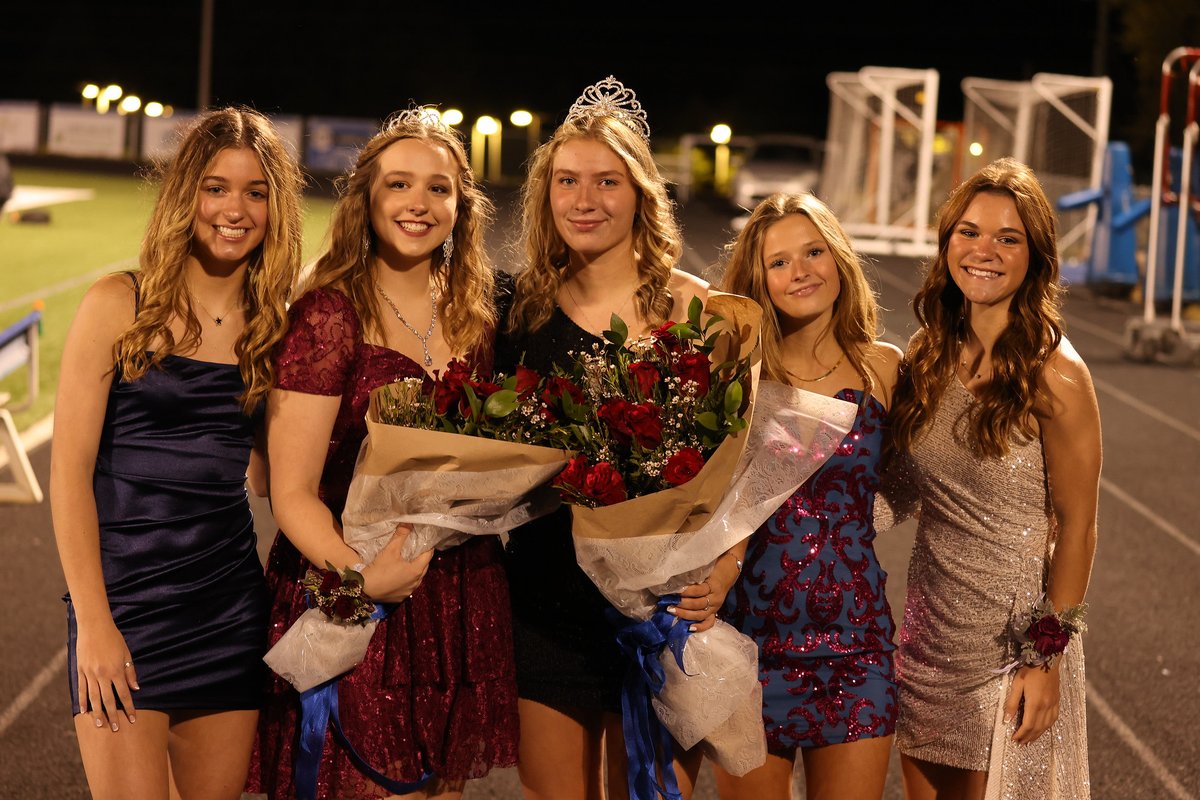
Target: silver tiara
429	116
610	98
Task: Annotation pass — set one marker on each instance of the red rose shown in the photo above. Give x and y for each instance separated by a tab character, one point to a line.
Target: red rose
645	375
527	381
1048	636
694	367
613	414
552	395
344	607
645	424
683	466
330	580
604	485
448	389
572	477
664	340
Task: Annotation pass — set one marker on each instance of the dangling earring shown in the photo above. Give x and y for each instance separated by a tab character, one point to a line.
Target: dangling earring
448	249
366	248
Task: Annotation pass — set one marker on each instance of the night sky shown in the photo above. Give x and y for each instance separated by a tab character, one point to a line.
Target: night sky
756	69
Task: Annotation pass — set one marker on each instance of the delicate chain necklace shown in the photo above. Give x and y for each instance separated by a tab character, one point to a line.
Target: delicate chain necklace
822	376
219	320
962	362
582	313
424	340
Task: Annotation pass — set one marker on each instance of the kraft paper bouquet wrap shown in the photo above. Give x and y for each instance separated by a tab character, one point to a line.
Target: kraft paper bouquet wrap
765	441
432	460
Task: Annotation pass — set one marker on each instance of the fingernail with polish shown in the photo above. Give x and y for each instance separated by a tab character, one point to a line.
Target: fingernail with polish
671	609
114	727
99	724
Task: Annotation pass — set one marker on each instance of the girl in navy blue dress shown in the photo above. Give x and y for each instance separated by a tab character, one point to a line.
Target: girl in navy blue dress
163	376
811	593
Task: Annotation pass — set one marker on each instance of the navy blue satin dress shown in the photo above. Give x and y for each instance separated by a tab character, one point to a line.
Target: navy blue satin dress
177	541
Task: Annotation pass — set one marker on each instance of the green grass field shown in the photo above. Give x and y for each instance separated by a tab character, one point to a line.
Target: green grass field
56	262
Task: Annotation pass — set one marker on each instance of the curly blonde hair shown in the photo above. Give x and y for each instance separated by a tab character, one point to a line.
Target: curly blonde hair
274	265
1034	330
657	240
466	305
855	323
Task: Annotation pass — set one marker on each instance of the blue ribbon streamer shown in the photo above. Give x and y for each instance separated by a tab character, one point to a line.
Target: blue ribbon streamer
645	737
318	709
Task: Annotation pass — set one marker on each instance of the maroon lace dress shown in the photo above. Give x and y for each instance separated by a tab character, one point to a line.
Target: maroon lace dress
436	690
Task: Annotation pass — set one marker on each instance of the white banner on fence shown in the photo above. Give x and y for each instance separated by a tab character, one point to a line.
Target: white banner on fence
161	135
18	126
76	131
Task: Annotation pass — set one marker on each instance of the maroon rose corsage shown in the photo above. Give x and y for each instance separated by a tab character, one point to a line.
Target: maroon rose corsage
1043	634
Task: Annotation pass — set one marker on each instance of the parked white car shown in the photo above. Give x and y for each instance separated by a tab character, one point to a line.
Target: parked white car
777	163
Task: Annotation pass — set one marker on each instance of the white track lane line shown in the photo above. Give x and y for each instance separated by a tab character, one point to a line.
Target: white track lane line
33	689
1126	735
64	285
1145	408
1154	519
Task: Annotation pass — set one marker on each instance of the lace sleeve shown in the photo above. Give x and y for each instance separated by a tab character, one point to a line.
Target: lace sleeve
898	499
317	354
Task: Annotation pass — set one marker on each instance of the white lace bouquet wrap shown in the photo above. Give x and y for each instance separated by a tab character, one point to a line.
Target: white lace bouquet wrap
716	702
448	487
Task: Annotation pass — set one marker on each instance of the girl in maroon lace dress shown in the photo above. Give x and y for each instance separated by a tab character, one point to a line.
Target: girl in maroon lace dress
812	592
403	288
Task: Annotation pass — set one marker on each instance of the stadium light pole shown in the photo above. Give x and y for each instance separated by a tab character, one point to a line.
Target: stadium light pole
721	134
204	83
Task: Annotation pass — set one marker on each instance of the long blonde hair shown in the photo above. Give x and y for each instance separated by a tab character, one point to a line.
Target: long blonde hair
657	241
466	305
855	322
269	279
1034	322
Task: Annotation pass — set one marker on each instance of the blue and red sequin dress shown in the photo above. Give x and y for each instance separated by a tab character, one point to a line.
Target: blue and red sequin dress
436	690
812	597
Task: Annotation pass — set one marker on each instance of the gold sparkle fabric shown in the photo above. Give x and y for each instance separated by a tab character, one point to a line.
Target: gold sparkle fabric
982	544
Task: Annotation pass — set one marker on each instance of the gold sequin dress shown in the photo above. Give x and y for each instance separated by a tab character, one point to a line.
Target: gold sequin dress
979	559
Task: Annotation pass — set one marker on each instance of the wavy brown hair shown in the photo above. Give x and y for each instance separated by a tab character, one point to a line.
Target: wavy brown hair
657	241
855	322
1034	322
274	265
465	305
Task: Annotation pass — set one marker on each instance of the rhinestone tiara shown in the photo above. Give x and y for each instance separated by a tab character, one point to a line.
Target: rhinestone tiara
611	98
429	116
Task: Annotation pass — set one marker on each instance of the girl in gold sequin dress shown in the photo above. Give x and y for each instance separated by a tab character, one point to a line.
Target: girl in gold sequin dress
998	433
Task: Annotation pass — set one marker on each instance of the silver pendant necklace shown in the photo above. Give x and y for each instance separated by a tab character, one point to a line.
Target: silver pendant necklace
424	340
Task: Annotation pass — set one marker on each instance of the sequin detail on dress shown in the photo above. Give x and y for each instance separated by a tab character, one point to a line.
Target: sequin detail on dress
812	597
436	688
982	544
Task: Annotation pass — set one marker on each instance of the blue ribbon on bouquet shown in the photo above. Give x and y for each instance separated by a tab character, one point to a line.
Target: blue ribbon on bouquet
645	736
318	709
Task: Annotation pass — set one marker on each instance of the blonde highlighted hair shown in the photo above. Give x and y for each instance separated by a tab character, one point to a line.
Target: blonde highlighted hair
855	322
465	306
162	290
657	241
1034	322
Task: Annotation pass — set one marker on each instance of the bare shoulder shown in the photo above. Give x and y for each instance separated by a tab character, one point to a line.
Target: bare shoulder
1066	381
108	306
883	359
684	286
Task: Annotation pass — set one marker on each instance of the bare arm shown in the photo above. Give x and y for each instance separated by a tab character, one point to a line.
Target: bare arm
1070	426
84	382
299	426
700	602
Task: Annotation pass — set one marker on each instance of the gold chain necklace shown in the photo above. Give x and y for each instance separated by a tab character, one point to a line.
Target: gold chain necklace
424	340
824	375
219	320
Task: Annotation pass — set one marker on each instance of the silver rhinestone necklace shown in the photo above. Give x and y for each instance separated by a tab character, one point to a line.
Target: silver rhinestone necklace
424	340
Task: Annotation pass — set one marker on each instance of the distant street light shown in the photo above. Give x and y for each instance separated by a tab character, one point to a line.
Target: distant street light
130	104
976	149
532	123
520	118
90	92
153	109
485	147
721	134
111	94
452	116
487	125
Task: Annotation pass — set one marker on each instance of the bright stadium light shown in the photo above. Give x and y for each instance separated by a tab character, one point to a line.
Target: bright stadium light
487	125
130	104
976	149
91	91
520	118
452	116
113	92
154	109
721	134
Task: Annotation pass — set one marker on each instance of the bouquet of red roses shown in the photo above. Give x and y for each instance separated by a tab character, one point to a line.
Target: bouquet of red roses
452	456
682	453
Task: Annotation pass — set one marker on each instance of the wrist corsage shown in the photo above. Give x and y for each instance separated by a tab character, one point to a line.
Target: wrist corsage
1042	634
339	594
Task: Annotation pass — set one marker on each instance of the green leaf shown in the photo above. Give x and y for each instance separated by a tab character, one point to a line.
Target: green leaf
576	412
709	420
472	400
501	403
695	309
618	332
733	399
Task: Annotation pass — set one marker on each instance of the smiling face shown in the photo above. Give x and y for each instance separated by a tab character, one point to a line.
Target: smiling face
593	199
802	274
231	209
988	250
413	201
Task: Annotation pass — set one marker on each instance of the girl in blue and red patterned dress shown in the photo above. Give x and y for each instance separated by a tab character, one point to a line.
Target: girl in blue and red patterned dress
404	287
811	593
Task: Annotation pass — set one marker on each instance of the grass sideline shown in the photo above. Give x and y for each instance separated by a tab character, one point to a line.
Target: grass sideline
83	240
